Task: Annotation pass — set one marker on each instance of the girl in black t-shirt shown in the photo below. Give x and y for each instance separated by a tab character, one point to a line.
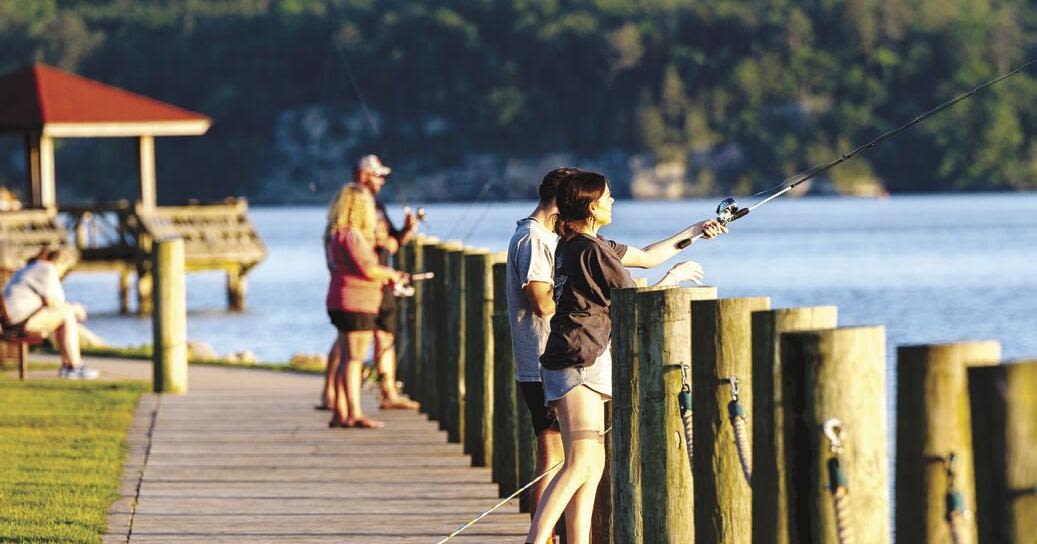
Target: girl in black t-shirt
577	364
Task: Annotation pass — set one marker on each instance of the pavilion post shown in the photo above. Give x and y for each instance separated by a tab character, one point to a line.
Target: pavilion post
146	145
39	170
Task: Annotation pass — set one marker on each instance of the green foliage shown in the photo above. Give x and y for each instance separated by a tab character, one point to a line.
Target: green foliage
298	87
62	445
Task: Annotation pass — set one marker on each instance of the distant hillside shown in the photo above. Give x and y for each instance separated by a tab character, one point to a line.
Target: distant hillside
669	98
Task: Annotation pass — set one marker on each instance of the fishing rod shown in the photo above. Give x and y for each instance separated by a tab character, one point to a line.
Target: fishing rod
728	210
420	213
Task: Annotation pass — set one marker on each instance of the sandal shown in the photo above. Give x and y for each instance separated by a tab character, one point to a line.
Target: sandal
364	423
336	424
400	404
322	407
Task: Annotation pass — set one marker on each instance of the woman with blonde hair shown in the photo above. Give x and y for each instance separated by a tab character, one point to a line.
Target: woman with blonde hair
354	295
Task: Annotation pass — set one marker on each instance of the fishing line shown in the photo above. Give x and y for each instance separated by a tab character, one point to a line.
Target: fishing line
728	209
518	493
468	210
397	187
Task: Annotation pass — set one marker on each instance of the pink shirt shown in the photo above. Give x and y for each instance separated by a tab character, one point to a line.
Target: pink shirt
350	260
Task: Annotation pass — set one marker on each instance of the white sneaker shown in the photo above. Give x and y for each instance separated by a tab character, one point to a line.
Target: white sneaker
80	372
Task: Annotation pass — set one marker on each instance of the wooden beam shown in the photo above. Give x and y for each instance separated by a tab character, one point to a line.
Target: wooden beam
146	146
127	130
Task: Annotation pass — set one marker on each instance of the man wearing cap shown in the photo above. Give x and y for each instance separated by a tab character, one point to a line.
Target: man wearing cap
371	174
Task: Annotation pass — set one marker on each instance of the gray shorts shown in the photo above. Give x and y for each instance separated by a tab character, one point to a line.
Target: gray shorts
557	383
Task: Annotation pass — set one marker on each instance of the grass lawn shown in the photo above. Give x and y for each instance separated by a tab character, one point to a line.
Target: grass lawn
61	453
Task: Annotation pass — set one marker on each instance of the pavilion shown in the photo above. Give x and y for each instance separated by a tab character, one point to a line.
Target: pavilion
44	103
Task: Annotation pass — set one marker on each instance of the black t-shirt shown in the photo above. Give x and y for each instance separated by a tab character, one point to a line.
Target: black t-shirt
587	268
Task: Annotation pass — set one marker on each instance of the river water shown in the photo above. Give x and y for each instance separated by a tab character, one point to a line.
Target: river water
929	268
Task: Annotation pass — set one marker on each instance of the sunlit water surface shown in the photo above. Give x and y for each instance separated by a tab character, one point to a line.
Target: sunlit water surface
929	268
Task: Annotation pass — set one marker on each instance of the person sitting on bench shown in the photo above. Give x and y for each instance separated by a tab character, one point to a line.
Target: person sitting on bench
35	301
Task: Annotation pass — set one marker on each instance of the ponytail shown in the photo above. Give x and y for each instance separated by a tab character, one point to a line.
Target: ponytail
574	199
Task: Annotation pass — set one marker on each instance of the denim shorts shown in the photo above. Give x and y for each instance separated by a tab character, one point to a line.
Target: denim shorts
598	376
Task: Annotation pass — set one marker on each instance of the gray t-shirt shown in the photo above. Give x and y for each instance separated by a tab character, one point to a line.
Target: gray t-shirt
530	258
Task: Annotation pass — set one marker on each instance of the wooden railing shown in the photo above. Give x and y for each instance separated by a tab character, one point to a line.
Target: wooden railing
797	453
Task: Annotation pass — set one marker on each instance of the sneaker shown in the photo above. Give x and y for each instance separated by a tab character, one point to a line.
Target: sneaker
80	372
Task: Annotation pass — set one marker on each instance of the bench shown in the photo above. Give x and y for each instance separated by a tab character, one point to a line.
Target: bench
20	337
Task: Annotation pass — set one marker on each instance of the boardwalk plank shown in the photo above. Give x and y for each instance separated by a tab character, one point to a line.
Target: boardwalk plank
244	458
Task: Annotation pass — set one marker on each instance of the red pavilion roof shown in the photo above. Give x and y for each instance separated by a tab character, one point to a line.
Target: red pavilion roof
62	104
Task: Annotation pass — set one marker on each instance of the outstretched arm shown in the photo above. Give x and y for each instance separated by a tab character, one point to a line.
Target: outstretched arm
655	254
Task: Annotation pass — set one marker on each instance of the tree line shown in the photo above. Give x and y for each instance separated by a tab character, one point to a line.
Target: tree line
744	93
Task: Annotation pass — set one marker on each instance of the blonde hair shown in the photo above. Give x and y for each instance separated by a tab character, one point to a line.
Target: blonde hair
352	207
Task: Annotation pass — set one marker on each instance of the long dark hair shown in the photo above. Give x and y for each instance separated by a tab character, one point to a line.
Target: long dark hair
574	198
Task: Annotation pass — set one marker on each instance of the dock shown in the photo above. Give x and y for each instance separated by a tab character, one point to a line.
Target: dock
246	458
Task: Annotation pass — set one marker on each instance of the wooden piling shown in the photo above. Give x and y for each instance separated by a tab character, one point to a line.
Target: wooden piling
837	373
452	373
433	325
768	478
237	288
403	261
124	290
145	286
145	282
1003	400
169	320
663	343
721	340
933	423
414	317
626	416
478	367
506	402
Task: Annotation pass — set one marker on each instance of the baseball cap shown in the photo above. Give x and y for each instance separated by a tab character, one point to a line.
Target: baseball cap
371	163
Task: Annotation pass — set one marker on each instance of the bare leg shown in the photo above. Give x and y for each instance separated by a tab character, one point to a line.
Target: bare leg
340	408
580	510
357	344
385	361
549	453
581	417
62	323
330	373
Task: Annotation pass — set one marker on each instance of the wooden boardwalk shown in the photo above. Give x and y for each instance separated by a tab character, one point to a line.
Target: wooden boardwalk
244	457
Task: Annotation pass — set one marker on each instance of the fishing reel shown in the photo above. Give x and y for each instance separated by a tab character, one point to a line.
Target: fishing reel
404	290
727	211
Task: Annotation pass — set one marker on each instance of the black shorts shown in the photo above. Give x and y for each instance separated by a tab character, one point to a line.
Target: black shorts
543	419
387	312
352	321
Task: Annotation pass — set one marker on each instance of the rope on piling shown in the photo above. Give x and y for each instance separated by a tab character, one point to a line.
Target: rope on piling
957	514
739	416
838	483
684	402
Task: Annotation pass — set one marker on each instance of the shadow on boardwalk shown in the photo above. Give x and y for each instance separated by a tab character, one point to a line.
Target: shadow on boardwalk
245	458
